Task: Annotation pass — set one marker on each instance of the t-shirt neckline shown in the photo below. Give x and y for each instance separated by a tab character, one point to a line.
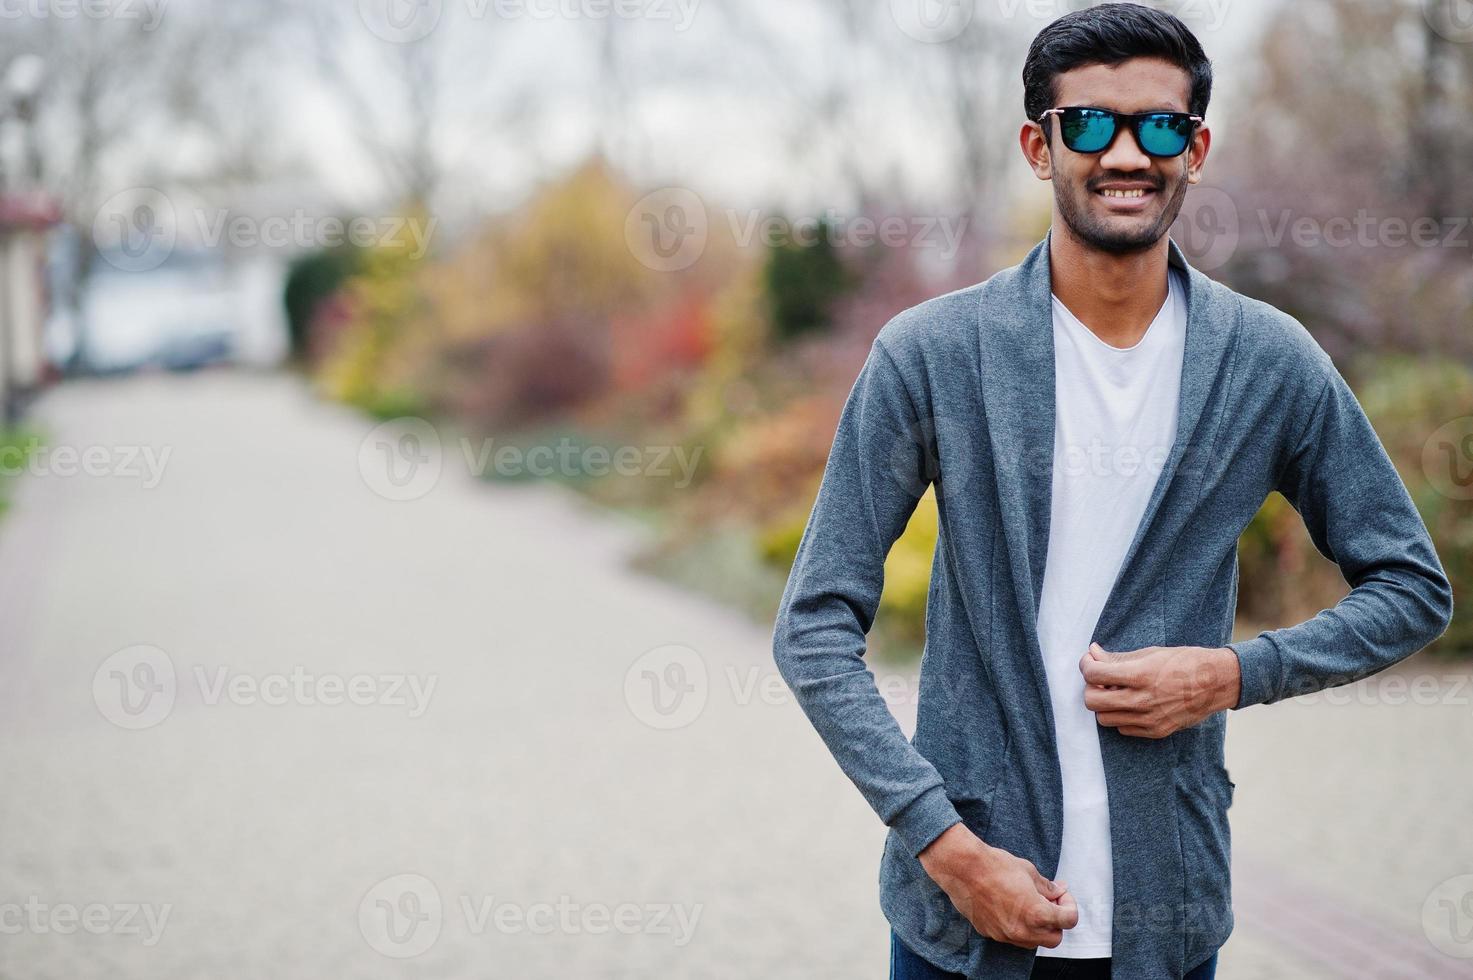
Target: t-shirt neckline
1164	311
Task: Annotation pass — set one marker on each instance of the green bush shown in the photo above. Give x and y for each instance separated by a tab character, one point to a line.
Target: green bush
1422	409
1410	402
310	280
802	281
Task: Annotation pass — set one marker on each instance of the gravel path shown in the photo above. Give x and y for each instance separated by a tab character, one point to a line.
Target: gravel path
258	720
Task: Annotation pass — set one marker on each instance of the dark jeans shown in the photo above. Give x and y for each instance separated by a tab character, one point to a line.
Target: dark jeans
905	964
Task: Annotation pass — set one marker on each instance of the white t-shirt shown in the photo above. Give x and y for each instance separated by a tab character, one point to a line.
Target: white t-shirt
1116	423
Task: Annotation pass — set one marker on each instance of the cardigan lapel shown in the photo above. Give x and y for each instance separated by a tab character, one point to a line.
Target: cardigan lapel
1016	368
1017	373
1210	329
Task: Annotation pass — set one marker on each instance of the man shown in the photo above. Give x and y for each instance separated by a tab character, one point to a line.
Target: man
1099	423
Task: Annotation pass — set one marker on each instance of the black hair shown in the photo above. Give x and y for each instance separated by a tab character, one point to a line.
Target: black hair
1110	34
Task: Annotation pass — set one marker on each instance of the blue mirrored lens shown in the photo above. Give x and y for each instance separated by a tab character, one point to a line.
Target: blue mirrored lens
1165	134
1086	130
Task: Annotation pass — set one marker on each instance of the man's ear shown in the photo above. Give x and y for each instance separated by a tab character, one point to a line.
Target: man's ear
1036	150
1197	154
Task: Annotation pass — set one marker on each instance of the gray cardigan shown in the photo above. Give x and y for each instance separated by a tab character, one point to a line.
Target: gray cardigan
959	391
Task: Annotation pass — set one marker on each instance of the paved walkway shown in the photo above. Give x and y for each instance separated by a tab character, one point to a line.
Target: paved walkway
258	720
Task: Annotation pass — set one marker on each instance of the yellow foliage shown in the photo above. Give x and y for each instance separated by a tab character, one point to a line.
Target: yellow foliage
722	394
907	568
367	365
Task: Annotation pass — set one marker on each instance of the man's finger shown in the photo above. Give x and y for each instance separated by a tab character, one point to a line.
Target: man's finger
1046	888
1061	915
1071	910
1121	720
1114	670
1112	699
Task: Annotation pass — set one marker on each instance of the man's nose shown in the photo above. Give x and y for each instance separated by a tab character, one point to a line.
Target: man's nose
1124	153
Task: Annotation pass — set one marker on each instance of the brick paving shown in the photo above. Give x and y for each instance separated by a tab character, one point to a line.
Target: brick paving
598	774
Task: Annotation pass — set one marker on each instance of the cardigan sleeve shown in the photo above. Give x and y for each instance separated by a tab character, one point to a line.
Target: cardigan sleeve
866	497
1360	516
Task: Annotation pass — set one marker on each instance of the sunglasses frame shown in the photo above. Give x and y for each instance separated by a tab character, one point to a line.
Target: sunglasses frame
1134	121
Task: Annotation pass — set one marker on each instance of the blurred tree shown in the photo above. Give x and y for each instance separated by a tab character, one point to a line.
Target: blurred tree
366	365
312	280
1348	172
727	393
140	99
549	309
423	105
1419	407
1422	408
803	281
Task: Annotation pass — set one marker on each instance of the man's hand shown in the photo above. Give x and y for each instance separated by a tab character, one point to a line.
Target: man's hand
1002	895
1156	691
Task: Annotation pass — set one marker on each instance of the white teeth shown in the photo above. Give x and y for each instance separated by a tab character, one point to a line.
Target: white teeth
1137	192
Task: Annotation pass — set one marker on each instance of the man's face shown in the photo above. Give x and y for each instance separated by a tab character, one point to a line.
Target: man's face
1122	224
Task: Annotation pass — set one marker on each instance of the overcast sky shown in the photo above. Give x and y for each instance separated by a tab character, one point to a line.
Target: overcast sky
708	106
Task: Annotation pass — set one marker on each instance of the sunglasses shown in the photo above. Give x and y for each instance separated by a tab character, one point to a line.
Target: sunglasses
1086	129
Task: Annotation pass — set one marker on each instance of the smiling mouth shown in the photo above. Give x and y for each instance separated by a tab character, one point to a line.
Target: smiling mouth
1130	199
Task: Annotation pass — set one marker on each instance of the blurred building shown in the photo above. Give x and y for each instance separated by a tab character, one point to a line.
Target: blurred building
25	222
